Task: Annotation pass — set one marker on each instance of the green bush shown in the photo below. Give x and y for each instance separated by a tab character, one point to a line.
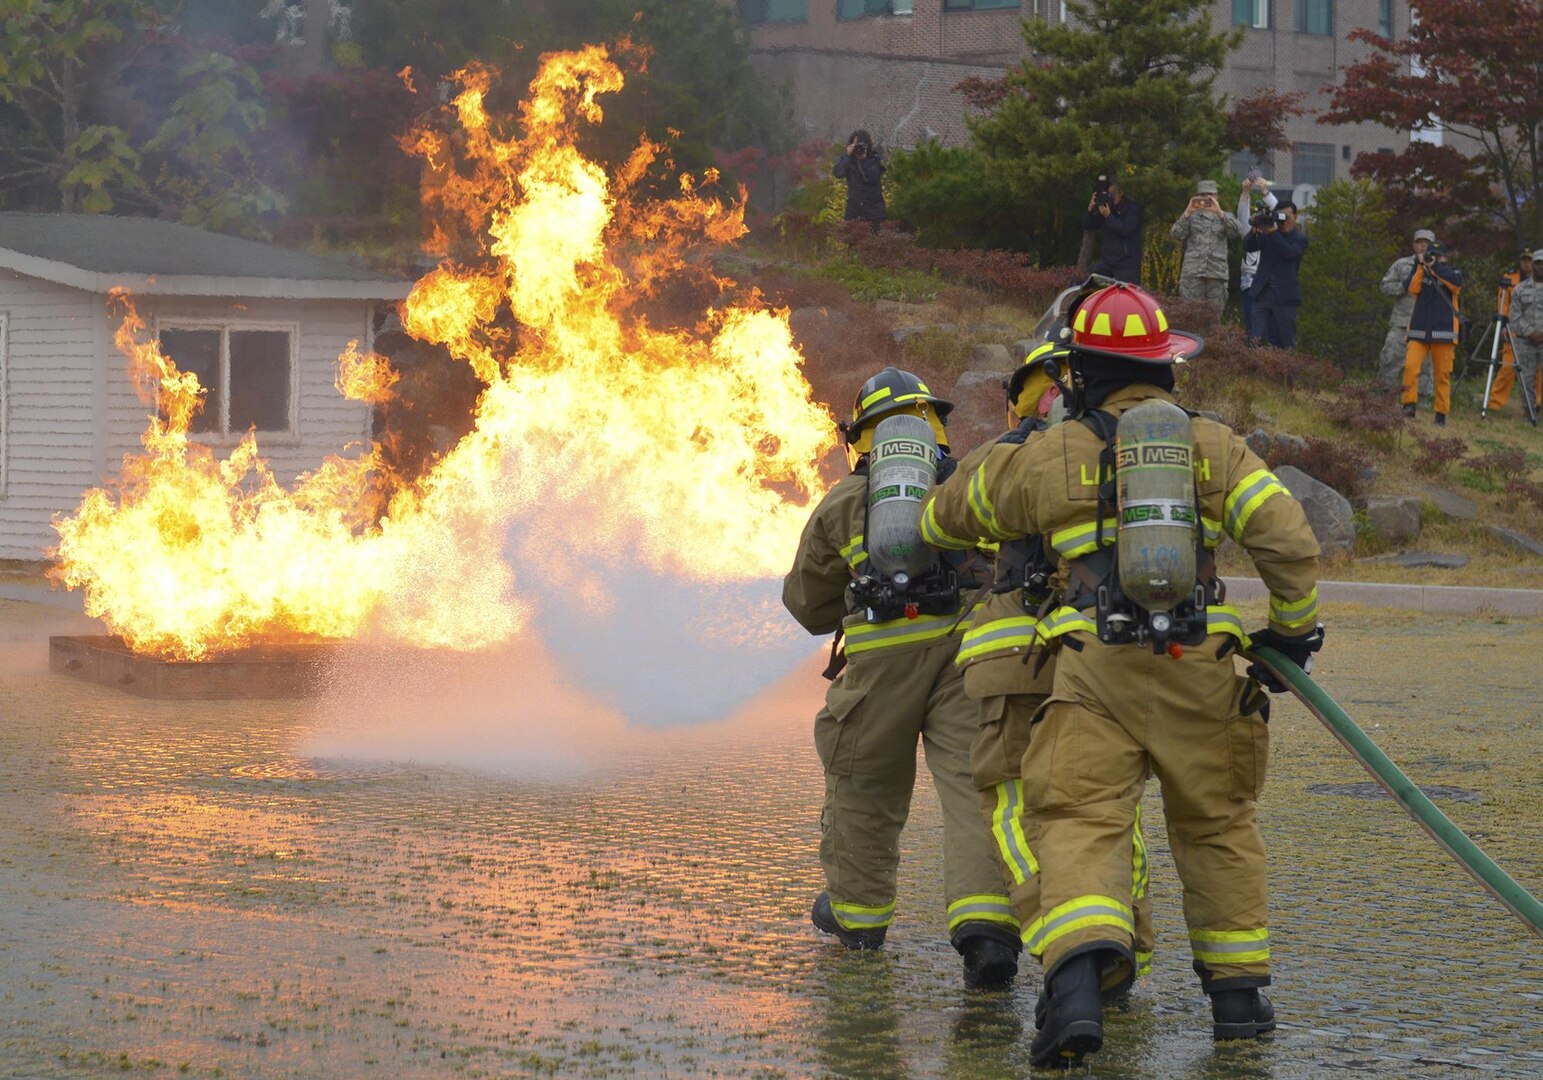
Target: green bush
1344	316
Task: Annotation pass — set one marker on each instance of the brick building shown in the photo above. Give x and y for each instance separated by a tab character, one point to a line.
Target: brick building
891	66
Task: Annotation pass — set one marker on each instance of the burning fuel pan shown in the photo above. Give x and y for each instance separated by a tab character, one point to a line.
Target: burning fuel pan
275	670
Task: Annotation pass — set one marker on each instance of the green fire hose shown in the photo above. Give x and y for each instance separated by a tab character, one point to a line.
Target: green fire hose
1500	885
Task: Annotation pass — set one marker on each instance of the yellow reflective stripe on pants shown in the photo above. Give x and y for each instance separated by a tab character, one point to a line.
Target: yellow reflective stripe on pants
859	917
932	532
1139	869
1007	831
983	907
1247	497
1082	539
1143	963
1075	915
1295	613
860	637
998	634
1230	946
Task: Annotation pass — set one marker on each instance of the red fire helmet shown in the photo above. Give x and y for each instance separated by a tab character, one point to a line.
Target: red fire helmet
1123	322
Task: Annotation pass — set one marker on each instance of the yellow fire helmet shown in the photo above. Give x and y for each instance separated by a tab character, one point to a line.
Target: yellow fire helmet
889	392
1026	388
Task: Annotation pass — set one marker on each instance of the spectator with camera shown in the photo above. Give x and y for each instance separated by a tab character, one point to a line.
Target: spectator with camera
1390	366
1434	325
1506	376
863	170
1204	231
1246	211
1118	219
1276	292
1527	325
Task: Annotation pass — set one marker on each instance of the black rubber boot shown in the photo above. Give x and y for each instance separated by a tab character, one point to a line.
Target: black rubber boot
1241	1014
1070	1013
1441	419
824	920
990	960
1409	410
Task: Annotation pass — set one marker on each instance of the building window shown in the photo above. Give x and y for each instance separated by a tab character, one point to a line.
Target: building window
1254	13
1315	16
979	5
1312	163
764	11
1385	18
1243	160
248	374
856	9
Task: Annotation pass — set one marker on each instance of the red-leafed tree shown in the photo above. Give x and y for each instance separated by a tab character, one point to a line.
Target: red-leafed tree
1472	69
1257	123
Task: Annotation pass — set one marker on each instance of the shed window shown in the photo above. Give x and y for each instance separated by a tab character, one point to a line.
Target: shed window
248	374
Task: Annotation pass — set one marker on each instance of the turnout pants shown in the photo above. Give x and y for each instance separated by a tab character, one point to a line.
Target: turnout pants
866	737
1116	713
997	759
1440	354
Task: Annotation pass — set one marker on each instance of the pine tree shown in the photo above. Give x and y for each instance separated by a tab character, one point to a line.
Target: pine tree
1125	87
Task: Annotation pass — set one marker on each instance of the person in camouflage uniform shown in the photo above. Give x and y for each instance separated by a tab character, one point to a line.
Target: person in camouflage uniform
1527	324
1204	230
1390	366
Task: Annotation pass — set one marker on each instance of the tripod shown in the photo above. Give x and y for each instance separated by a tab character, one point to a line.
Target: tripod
1498	334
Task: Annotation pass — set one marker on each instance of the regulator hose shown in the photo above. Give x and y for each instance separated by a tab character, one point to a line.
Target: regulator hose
1485	871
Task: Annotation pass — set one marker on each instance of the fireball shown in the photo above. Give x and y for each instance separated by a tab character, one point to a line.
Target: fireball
690	452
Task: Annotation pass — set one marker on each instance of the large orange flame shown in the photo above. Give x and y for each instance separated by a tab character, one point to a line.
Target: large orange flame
694	452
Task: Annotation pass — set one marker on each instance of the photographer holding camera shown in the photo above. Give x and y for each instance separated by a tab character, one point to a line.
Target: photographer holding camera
1527	325
1276	293
1505	378
862	169
1245	219
1390	366
1434	326
1204	230
1119	220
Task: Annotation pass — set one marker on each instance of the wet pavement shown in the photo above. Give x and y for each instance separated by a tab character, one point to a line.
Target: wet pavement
288	889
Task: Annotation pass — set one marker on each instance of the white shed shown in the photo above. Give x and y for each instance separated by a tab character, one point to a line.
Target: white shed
261	325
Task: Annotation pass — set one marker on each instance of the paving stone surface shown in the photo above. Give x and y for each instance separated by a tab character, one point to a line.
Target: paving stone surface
259	889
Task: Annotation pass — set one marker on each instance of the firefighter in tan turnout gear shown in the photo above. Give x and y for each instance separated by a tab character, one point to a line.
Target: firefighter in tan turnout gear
1009	690
1133	495
899	683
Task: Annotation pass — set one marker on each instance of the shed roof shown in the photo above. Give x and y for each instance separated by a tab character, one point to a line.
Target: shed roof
96	252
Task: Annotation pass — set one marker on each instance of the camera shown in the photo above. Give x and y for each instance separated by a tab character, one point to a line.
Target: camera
860	150
1265	218
1101	196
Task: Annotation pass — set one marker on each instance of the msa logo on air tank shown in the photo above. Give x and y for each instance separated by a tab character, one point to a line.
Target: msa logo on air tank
904	448
897	491
1152	454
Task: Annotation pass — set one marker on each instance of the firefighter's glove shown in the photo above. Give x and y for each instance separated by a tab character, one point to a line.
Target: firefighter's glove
946	467
1299	650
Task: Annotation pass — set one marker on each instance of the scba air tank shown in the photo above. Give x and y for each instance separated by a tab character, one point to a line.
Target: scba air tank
1155	477
901	468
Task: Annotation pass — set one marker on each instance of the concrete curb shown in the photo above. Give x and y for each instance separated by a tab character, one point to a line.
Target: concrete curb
1430	599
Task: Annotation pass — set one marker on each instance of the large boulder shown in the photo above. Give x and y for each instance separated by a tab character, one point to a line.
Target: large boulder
1451	503
818	327
1328	512
1519	541
1394	518
1022	347
991	358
